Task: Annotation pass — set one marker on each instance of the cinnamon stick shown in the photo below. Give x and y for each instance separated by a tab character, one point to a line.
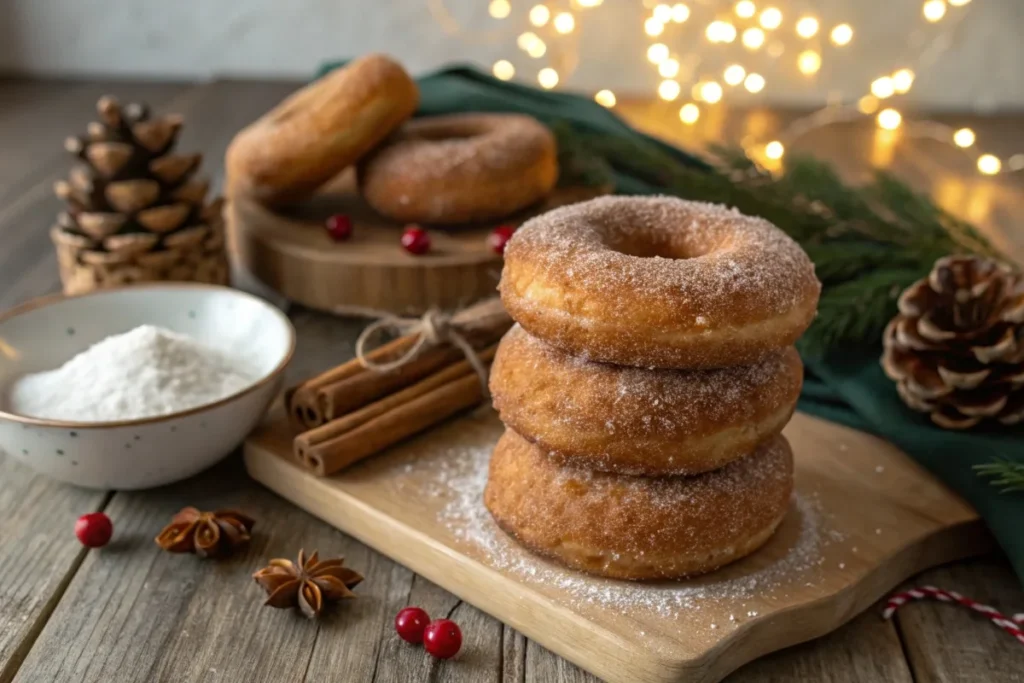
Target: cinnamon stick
353	437
351	386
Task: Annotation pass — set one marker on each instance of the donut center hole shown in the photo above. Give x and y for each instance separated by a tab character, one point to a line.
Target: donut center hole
652	249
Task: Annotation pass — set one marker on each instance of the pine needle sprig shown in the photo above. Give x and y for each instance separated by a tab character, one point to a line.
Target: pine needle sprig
1004	473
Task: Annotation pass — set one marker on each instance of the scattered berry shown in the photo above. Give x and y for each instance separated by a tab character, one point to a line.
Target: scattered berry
339	227
442	638
415	240
94	529
499	237
410	624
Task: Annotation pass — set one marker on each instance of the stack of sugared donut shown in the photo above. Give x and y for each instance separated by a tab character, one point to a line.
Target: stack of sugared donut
646	384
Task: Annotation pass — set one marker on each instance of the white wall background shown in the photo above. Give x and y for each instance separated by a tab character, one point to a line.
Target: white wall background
980	66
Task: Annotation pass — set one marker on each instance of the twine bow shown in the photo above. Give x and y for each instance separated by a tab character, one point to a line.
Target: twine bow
433	328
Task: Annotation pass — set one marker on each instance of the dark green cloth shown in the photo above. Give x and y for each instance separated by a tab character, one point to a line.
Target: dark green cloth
845	387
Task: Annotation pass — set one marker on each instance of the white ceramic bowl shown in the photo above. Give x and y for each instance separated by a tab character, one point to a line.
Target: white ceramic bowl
45	333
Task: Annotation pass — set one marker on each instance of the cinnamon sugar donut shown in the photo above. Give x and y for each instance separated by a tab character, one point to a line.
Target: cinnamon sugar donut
321	130
638	527
461	168
658	282
637	421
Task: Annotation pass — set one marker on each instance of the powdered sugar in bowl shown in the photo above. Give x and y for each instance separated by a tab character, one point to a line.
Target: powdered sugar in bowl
139	386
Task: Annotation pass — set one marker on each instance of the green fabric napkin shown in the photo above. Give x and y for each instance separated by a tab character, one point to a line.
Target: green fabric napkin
845	387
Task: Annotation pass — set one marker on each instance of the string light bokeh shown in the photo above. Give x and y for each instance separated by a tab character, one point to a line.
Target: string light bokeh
738	40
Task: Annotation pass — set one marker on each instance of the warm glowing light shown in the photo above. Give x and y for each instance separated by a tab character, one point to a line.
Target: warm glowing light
902	80
669	68
499	9
537	49
809	62
1016	162
842	34
774	150
525	40
663	13
564	22
934	10
653	27
539	15
889	119
753	38
964	137
680	12
734	74
745	9
958	3
989	165
807	27
771	18
711	92
503	70
606	98
657	53
720	32
867	104
689	113
883	87
589	3
668	90
547	77
754	83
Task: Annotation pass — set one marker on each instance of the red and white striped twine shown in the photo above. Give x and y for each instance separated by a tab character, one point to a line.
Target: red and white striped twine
1013	625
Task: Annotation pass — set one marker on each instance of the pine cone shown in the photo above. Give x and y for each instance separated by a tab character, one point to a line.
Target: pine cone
956	348
135	212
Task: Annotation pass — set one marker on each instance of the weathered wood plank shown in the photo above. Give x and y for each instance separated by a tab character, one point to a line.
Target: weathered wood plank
513	656
543	665
949	643
867	650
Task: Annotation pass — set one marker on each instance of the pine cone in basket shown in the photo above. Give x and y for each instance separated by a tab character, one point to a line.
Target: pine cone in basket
956	348
135	211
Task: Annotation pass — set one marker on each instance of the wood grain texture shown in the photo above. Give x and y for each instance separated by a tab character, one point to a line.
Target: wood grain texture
949	643
891	527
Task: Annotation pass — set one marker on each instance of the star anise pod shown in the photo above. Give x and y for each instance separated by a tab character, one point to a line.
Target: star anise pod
307	583
207	534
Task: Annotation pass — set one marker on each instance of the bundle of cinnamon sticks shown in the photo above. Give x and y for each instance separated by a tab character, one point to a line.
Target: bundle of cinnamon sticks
354	410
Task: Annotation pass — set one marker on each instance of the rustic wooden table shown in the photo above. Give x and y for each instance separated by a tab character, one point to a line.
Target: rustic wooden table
134	613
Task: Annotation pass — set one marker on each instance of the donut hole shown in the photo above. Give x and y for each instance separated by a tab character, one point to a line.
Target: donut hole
647	248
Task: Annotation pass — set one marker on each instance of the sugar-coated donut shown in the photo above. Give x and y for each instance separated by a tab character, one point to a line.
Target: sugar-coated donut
638	527
320	130
461	168
631	420
658	282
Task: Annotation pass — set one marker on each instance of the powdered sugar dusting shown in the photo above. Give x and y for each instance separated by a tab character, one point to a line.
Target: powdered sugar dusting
459	476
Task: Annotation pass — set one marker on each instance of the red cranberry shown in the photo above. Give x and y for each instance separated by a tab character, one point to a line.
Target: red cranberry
443	638
94	529
499	237
410	624
339	227
415	240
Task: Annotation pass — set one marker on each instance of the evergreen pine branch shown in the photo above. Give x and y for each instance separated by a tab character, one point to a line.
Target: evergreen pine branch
1003	472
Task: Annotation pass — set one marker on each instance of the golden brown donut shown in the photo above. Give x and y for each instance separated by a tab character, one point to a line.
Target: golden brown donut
461	168
637	421
321	130
658	282
638	527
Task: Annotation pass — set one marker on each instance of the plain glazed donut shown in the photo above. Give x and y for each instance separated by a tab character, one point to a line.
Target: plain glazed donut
638	527
637	421
658	282
461	168
320	130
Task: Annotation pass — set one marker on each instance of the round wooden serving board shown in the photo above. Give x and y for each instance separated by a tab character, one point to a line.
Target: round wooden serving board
293	254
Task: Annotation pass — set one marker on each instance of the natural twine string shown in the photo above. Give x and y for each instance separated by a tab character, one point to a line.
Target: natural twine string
433	328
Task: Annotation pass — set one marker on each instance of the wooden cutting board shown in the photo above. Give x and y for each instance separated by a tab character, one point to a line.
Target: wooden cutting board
292	253
864	518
